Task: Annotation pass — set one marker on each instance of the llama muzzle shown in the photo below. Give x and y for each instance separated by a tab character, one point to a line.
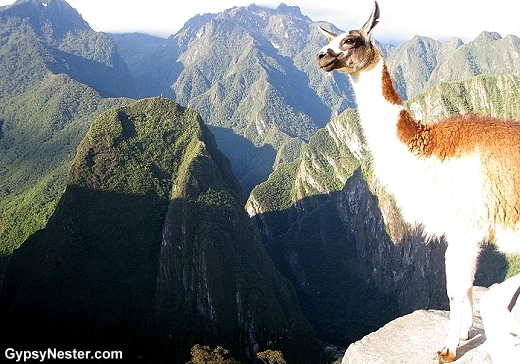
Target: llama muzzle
328	60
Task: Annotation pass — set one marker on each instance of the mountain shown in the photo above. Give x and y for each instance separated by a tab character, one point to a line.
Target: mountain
497	96
187	251
149	251
422	62
54	74
250	72
338	236
68	45
134	49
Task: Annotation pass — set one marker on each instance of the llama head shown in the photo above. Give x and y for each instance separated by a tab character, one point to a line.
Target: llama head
350	52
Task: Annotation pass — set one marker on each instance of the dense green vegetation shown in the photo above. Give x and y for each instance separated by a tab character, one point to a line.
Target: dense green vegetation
421	63
257	81
132	220
41	130
106	225
498	96
54	69
148	177
205	354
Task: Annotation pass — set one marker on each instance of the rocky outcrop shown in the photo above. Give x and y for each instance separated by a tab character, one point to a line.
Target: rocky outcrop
416	338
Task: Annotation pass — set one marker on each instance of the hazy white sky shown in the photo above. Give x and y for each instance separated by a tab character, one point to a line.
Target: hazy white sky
400	19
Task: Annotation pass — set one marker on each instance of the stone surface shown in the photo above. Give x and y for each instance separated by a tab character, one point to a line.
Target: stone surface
415	339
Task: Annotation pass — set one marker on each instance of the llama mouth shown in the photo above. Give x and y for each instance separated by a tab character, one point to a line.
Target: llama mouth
329	66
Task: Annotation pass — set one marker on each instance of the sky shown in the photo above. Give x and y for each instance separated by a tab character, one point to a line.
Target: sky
400	19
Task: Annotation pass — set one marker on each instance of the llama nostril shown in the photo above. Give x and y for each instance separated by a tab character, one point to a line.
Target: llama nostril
320	55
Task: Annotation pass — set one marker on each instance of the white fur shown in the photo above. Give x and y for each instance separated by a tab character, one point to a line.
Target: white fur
502	331
447	197
451	197
417	182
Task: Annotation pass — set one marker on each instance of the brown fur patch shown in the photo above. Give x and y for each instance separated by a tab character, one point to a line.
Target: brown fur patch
371	57
495	141
446	356
413	133
389	91
459	135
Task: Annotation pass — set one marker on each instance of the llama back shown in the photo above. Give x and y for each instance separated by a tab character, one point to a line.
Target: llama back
496	143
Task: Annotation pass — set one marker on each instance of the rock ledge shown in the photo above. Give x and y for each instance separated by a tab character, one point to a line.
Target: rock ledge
415	339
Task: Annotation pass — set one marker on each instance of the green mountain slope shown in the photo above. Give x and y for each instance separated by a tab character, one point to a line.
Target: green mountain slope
326	209
149	250
488	54
53	70
135	48
250	70
40	131
70	45
498	96
422	62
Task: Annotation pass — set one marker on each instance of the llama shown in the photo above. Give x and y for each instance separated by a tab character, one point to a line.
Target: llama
459	178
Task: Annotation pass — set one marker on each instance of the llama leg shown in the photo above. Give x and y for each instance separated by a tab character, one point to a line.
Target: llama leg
502	331
466	323
460	272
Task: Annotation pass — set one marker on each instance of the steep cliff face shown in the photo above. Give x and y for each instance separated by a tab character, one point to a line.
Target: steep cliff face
392	254
338	235
149	251
215	280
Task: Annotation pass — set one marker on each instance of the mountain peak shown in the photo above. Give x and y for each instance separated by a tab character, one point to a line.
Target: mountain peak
50	17
287	9
488	36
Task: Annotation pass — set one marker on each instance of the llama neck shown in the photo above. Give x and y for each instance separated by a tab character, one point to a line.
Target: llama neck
375	85
387	125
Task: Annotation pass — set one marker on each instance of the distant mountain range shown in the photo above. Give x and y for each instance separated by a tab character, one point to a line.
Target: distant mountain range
127	161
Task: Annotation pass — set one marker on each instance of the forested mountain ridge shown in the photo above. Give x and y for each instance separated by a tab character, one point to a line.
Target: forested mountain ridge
293	139
250	72
422	62
150	251
55	75
328	201
66	45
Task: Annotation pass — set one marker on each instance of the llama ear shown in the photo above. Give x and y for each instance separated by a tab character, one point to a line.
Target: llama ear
330	35
372	21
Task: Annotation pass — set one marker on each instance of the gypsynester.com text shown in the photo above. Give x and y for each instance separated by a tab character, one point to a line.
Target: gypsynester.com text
42	355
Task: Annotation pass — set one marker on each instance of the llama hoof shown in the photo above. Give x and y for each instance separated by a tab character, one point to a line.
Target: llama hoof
446	355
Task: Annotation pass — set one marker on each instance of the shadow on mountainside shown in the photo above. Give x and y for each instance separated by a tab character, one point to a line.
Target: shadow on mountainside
350	276
108	81
95	279
87	280
252	165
